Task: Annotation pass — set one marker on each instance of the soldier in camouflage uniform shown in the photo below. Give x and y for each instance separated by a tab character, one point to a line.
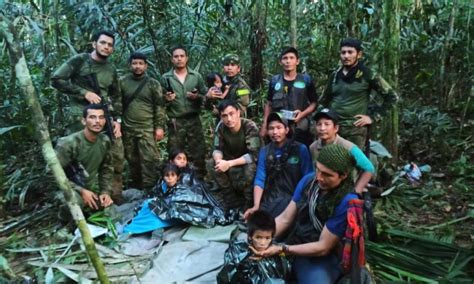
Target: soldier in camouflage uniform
236	87
235	154
185	92
88	149
144	122
348	93
81	78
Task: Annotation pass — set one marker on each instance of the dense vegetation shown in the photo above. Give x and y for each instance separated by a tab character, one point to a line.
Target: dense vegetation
422	47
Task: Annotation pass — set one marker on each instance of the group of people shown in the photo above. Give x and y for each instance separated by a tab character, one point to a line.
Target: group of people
304	183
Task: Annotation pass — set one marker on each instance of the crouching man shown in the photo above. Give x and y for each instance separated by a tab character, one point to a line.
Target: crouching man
85	157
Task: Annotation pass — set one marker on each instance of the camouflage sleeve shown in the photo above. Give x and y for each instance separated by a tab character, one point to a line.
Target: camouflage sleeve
243	94
252	139
382	88
106	171
159	113
65	153
218	141
61	79
115	95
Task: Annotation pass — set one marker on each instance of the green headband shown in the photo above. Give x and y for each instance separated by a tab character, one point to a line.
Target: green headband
337	158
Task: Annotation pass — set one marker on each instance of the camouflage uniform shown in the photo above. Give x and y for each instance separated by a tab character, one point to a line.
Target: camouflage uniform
72	79
142	114
236	185
239	90
94	157
184	124
349	95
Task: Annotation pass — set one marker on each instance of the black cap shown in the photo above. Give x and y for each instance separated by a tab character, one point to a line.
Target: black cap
276	116
327	113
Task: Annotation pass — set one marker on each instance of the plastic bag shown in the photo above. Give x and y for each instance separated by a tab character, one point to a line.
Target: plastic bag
239	267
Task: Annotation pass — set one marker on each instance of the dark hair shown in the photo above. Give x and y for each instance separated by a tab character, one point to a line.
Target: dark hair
352	42
175	152
260	220
211	78
96	36
169	167
91	106
179	47
137	55
226	103
289	49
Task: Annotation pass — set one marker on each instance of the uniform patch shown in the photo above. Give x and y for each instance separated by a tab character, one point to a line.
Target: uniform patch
277	86
243	92
299	85
293	160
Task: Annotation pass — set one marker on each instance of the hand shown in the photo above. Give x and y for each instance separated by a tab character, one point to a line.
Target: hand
362	120
263	131
159	134
169	97
222	166
117	129
192	95
298	115
270	251
90	199
249	212
105	200
92	97
213	92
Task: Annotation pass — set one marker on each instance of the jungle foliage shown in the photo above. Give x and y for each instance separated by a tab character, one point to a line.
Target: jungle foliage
432	75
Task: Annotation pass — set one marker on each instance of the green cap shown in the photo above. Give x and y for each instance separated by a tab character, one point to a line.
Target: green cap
231	58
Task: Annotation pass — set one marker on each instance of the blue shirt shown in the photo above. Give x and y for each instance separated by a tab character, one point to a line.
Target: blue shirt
337	223
261	175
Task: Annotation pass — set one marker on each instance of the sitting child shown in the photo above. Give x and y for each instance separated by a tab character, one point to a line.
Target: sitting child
178	157
242	266
146	220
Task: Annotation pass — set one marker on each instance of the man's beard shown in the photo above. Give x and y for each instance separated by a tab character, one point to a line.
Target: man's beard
101	56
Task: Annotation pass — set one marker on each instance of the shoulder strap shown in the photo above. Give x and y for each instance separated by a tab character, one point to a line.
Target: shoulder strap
127	101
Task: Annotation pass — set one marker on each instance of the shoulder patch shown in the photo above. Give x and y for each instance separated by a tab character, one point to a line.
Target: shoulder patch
299	84
243	92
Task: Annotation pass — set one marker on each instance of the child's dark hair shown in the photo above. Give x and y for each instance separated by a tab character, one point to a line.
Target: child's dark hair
211	78
169	167
260	220
175	152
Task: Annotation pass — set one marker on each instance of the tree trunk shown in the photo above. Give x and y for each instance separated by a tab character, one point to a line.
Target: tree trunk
390	67
444	74
258	41
8	33
293	31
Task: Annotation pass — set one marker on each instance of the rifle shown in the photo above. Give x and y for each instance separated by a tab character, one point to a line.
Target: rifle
94	84
169	89
76	173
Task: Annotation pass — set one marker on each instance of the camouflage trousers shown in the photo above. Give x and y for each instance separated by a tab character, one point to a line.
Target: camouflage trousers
235	187
117	156
186	134
357	135
142	155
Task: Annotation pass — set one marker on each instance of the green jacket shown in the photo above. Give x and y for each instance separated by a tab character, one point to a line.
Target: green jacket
145	112
94	157
182	106
72	79
350	95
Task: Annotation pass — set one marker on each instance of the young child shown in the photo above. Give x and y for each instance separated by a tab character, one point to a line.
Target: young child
241	266
178	157
214	81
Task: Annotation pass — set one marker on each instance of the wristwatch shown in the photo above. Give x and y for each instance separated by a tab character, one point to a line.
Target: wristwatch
119	120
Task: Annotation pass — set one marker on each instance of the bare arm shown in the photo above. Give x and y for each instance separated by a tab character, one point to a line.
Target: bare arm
363	181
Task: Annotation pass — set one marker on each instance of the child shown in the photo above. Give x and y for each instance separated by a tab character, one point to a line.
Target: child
241	266
215	82
146	220
178	157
